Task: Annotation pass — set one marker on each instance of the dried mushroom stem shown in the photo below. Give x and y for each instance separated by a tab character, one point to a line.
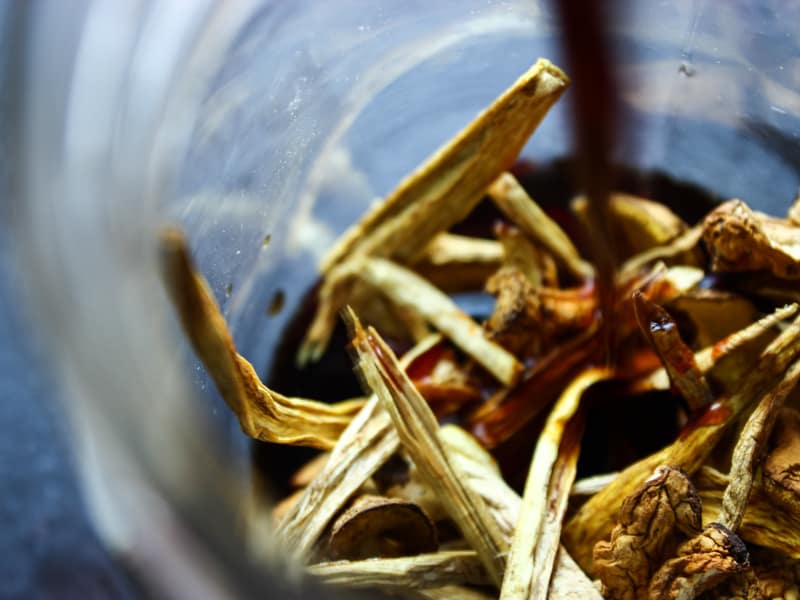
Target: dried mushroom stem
536	537
765	523
438	194
445	188
589	486
367	443
263	413
568	581
433	570
362	449
637	224
377	310
749	449
484	479
729	359
702	562
418	432
593	520
651	521
521	254
661	331
448	250
512	199
409	290
456	262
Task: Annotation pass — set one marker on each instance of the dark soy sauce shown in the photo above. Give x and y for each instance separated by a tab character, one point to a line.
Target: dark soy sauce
614	435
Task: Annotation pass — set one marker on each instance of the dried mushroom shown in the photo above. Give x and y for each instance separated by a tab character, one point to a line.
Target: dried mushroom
417	429
781	473
592	522
512	199
263	413
435	570
637	224
765	523
552	471
407	289
520	253
374	526
740	239
702	562
775	575
662	357
749	448
652	521
438	194
794	212
456	262
516	321
702	307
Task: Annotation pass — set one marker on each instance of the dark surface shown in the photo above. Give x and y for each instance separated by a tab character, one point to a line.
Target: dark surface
48	548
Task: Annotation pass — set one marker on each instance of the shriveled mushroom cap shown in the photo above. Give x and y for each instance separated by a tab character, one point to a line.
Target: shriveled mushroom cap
375	526
782	464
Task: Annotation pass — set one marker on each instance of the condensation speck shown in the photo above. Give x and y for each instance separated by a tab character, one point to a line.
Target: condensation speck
687	69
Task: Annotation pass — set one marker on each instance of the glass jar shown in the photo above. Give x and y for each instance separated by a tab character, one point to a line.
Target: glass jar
264	129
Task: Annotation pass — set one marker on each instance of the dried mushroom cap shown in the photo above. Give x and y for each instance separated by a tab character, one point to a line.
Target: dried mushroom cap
650	523
375	526
690	450
782	464
517	316
702	562
637	224
703	308
739	239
